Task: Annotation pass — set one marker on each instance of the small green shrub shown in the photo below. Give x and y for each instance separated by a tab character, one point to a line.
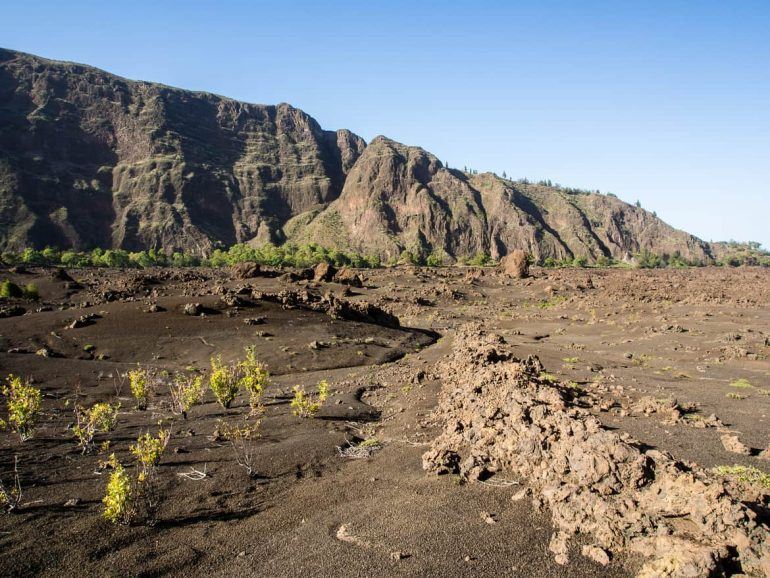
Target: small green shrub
307	405
140	383
31	292
100	417
118	498
23	402
128	499
223	381
745	474
148	449
10	290
186	392
242	440
254	378
741	383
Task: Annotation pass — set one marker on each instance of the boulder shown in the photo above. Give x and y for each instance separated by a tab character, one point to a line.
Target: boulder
515	264
245	270
324	272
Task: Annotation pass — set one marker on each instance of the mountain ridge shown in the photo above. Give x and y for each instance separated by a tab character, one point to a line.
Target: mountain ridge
89	159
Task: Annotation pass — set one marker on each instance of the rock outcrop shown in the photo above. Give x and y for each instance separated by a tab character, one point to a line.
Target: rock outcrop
499	417
88	159
515	264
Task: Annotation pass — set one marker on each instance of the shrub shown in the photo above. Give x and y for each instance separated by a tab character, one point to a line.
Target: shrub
741	383
242	440
10	495
186	391
118	498
223	381
100	417
436	259
254	377
745	474
480	260
148	449
31	292
648	260
307	405
23	404
141	387
10	290
580	261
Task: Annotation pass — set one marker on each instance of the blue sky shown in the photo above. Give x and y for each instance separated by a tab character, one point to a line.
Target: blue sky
667	102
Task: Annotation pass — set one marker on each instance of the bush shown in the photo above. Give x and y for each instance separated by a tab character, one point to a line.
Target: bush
23	405
140	383
242	440
10	495
186	392
118	498
10	290
31	292
254	377
128	499
480	260
580	261
223	381
100	417
647	260
436	259
307	405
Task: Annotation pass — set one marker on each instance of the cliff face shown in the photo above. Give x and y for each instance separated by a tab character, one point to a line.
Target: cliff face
87	158
398	197
90	159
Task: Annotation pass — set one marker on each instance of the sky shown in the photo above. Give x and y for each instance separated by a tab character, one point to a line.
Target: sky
665	102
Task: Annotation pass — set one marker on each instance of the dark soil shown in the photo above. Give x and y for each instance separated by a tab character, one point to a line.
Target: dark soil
619	335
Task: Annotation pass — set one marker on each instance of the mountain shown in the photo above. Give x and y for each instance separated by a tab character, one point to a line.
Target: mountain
397	197
91	159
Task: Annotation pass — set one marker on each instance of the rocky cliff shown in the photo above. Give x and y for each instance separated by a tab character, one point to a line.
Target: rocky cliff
398	197
90	159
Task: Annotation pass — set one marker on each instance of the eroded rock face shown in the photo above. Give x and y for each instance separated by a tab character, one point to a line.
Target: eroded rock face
90	159
516	264
499	417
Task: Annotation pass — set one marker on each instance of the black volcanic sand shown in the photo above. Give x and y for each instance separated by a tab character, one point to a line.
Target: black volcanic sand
688	333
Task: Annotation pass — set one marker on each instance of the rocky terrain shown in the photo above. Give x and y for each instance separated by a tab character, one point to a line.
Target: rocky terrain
570	422
88	159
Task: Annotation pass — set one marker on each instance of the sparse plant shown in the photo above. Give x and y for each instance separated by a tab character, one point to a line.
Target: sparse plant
254	378
10	290
745	474
31	292
23	402
223	381
100	417
118	498
186	392
242	440
140	384
307	405
10	495
361	450
148	451
741	383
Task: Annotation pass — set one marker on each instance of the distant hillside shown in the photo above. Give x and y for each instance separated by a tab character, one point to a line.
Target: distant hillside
90	159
